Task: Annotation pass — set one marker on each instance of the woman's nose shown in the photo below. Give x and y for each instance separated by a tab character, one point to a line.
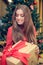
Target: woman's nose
19	16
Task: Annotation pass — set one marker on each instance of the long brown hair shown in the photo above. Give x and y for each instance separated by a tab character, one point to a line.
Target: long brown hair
28	24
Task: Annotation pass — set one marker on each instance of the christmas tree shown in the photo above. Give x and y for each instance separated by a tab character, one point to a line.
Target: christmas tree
7	19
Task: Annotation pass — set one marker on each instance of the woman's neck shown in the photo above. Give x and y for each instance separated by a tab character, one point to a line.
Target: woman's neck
21	26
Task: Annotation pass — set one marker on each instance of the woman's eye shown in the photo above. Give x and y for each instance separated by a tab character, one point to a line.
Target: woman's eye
22	15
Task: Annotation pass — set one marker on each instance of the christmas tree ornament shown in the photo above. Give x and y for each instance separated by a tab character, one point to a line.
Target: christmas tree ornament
32	7
35	3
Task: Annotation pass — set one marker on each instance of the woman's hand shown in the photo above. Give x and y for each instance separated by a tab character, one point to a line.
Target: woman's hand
1	54
37	50
14	45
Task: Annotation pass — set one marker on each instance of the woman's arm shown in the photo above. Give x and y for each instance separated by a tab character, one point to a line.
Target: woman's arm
8	39
9	36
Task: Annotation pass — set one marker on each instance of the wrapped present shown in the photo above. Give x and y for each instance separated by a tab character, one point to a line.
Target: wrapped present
29	49
40	61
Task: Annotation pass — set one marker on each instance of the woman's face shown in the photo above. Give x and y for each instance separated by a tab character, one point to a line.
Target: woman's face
19	17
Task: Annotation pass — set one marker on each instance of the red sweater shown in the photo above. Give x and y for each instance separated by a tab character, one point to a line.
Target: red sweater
14	53
9	40
9	36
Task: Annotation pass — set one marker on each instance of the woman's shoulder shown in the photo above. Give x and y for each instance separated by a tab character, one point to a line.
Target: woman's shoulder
10	28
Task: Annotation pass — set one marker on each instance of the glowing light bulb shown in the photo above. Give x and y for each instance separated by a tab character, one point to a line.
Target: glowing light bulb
9	0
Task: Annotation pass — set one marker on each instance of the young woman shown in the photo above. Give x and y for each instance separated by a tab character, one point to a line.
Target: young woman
21	29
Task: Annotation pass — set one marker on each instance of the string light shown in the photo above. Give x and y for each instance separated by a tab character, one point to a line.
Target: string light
9	1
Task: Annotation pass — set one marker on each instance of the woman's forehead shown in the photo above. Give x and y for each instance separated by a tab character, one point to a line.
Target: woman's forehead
19	11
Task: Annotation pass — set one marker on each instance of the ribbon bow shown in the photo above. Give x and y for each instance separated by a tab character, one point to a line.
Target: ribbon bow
14	52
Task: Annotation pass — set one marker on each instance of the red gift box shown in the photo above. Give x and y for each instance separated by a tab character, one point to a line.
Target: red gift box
28	49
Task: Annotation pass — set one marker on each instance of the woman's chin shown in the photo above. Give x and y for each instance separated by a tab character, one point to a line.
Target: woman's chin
20	23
